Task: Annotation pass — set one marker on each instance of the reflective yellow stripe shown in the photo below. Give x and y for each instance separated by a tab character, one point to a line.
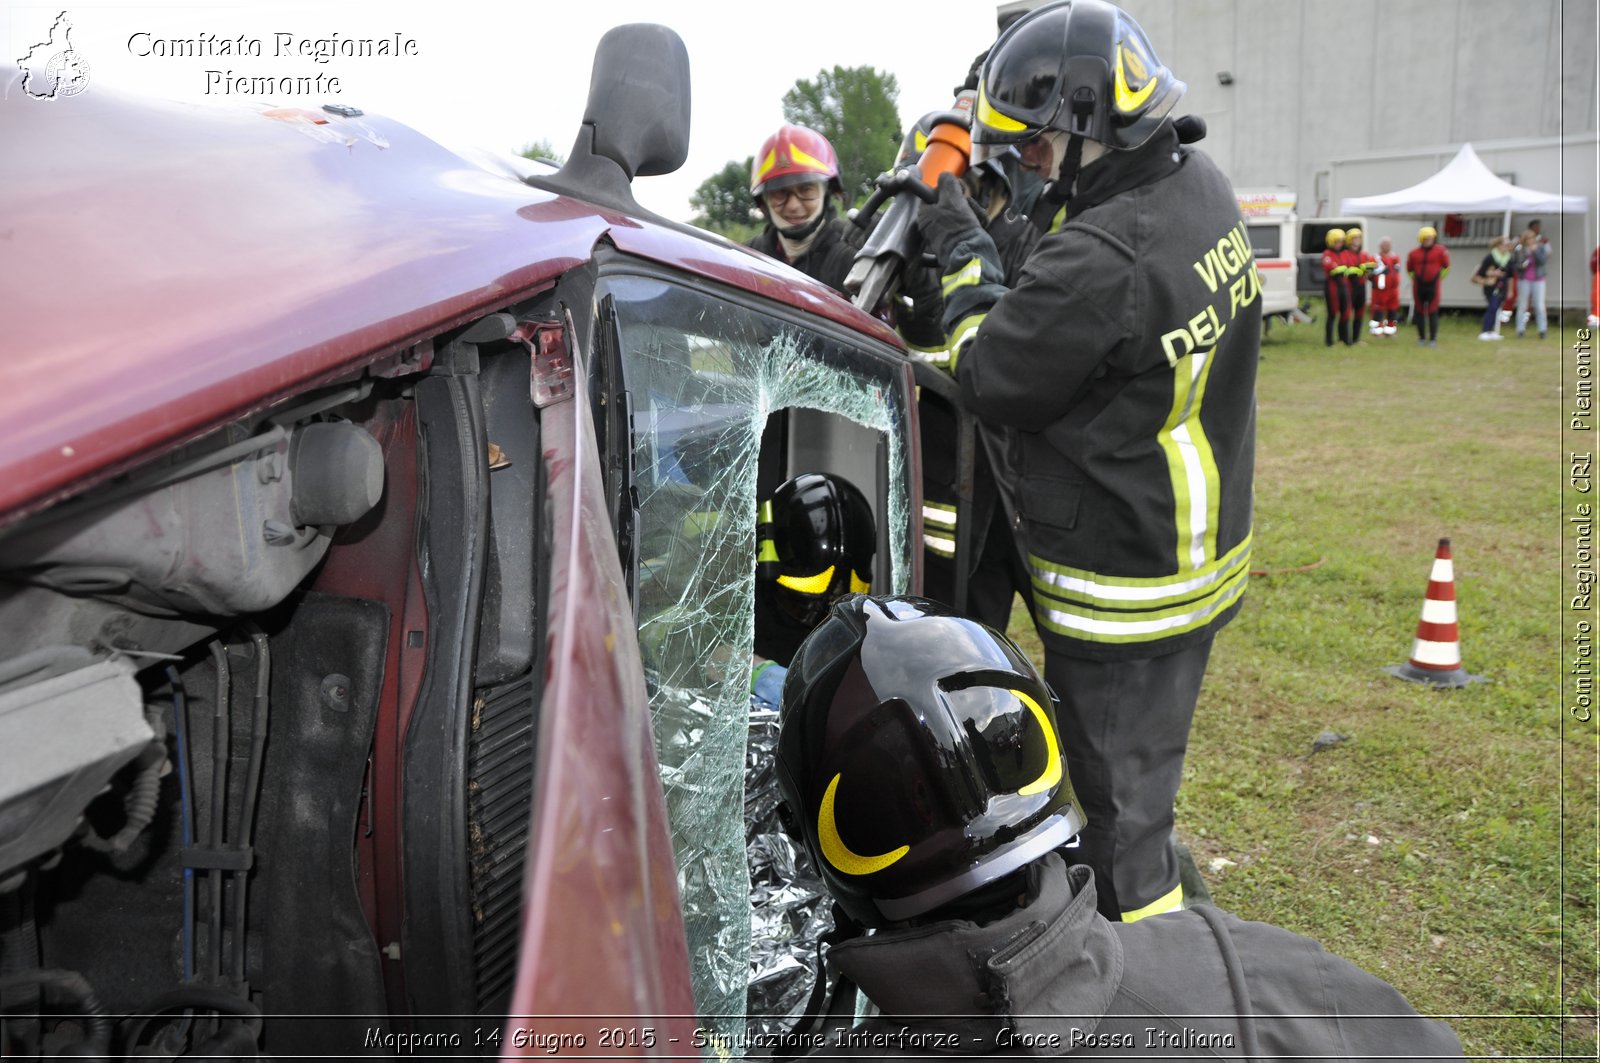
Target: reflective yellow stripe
1169	903
806	160
766	165
817	584
1059	220
920	141
767	550
834	849
971	273
938	545
1127	101
966	330
939	529
1093	625
1132	592
764	512
1052	768
1191	464
993	118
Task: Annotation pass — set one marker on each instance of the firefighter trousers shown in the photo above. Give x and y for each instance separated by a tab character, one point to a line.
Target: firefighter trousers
1125	726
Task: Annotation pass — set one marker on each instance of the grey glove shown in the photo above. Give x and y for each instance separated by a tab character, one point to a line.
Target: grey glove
947	220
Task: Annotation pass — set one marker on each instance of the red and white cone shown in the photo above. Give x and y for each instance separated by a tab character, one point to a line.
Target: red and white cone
1436	656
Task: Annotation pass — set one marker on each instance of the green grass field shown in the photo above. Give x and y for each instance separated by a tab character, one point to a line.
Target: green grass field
1429	847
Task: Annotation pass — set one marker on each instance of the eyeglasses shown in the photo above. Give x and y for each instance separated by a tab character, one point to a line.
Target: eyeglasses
807	193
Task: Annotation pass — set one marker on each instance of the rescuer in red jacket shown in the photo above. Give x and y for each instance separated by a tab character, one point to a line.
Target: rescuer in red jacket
1385	279
1336	286
1358	264
1426	265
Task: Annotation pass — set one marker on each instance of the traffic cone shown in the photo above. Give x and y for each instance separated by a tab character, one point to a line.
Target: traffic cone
1436	656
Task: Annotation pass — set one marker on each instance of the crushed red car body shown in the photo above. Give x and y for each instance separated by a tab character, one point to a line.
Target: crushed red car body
362	513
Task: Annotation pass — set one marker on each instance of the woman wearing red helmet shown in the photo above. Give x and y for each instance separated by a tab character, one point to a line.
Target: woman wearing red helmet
795	182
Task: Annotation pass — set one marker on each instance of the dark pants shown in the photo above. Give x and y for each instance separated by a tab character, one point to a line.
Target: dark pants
1426	306
1338	295
1491	316
1358	310
997	578
1125	726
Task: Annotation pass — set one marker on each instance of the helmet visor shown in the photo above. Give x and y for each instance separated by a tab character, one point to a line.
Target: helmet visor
1021	89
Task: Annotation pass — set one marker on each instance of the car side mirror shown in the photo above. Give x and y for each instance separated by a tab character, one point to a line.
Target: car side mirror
638	110
636	123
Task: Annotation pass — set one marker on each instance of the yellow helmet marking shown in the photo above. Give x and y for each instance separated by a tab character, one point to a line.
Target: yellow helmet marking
837	853
859	585
1052	768
767	550
817	584
766	165
1128	101
804	159
921	141
993	118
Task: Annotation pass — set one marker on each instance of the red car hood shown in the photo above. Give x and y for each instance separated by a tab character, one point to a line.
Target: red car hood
170	267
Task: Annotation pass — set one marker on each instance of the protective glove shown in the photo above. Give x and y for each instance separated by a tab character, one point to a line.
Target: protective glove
920	323
947	220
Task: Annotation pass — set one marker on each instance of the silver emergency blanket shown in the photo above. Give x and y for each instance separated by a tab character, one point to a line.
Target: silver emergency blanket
702	378
789	909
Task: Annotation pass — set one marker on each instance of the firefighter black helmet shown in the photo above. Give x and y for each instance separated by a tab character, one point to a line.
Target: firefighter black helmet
815	541
919	757
1083	67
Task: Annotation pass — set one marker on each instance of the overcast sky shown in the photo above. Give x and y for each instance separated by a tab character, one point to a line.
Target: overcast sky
502	74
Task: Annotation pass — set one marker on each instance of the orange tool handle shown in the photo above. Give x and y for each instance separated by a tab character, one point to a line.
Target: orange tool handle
949	148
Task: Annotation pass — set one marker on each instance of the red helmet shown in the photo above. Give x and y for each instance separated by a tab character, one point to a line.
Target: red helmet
791	156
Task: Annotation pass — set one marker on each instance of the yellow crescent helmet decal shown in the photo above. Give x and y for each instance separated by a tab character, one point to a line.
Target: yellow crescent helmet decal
859	585
817	584
993	118
1128	101
834	849
1052	768
806	160
767	164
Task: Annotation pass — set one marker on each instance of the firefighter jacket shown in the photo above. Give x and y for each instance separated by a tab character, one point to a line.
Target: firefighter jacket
1333	266
1055	978
1361	266
830	255
1428	264
1122	368
1014	237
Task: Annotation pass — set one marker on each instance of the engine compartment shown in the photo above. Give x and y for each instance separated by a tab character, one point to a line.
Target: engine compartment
186	726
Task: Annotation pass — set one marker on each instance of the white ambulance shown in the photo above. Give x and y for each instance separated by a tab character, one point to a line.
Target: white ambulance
1270	222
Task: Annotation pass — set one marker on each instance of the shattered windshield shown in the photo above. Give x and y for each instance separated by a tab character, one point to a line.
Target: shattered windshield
726	402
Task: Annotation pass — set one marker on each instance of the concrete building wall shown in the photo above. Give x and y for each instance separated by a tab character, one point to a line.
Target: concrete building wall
1313	81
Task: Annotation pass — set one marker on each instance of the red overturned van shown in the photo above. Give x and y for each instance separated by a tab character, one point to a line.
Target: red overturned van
369	519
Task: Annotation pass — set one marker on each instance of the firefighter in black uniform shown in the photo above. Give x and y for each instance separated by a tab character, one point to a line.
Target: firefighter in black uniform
1122	367
815	538
920	762
997	573
795	183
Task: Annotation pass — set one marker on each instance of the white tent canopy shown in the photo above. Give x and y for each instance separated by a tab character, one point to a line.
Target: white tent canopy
1464	186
